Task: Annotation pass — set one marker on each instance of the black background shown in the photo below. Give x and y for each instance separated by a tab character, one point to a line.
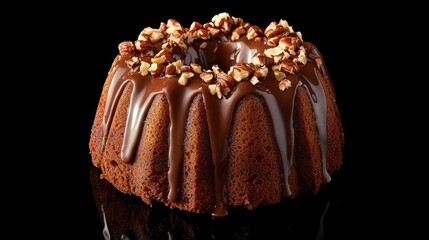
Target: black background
79	44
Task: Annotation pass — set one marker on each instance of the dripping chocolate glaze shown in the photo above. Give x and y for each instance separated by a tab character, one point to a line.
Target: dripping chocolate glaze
219	112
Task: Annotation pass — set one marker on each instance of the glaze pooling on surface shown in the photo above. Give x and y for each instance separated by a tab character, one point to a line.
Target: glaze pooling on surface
220	112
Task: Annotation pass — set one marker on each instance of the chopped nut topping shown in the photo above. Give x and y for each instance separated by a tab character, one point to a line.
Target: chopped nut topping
133	63
126	48
156	69
147	31
170	70
156	36
273	41
218	91
196	68
287	66
277	67
183	80
299	34
258	60
237	21
216	69
261	72
203	34
207	76
157	51
173	26
284	23
185	68
284	84
195	26
214	32
167	47
254	81
279	75
240	71
271	52
144	68
274	29
212	89
253	32
289	43
237	33
158	59
302	58
143	45
178	64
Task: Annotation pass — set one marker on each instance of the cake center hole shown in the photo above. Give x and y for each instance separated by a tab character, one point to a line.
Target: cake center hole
223	54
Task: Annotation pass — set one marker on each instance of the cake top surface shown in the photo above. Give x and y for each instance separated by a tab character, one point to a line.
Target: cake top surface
219	53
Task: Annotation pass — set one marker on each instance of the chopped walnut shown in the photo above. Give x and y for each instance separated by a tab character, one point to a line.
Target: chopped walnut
261	72
203	34
157	51
144	68
156	69
214	32
185	68
236	33
143	45
271	52
302	58
126	47
253	32
170	70
287	66
167	47
212	89
156	36
284	84
274	29
183	79
226	83
133	63
288	43
195	26
255	81
273	41
173	26
240	71
207	76
279	75
158	60
196	68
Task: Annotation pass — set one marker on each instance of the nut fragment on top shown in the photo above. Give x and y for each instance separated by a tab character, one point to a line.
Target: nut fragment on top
126	47
157	51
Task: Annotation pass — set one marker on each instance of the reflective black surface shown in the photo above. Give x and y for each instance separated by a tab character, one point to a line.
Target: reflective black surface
127	217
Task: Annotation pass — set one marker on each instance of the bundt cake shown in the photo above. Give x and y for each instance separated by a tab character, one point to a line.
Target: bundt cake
217	115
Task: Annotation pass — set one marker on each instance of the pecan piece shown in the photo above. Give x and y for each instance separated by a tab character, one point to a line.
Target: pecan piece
126	47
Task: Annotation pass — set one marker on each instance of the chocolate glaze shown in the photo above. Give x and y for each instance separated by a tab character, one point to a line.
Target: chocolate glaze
220	112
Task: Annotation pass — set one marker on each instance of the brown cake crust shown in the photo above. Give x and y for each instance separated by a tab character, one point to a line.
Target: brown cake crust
253	171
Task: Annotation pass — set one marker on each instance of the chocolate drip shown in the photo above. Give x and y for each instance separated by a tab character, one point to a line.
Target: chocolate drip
220	112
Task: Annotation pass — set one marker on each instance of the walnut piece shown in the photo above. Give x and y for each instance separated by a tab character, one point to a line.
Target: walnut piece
183	79
284	84
126	47
207	76
144	68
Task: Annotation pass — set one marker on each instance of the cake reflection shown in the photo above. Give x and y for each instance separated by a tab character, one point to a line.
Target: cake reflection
127	217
